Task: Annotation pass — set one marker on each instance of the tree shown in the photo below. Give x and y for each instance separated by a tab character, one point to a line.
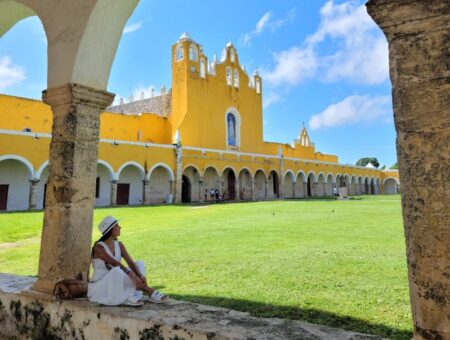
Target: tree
394	167
365	160
383	167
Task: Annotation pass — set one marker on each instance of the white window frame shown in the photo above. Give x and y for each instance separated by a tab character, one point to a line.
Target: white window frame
237	116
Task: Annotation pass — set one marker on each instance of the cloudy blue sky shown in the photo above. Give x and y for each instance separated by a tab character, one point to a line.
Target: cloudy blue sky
324	63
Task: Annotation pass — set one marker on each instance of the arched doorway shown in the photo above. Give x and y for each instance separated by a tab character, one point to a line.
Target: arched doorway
230	184
185	189
211	182
390	186
158	185
103	186
130	190
193	174
310	185
273	182
245	185
289	185
301	184
260	183
14	184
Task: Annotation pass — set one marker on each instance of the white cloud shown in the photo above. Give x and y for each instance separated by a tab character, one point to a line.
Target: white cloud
266	22
353	109
10	74
271	98
359	50
292	66
132	27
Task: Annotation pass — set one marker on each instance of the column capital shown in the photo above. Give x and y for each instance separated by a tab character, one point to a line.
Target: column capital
114	181
75	94
34	181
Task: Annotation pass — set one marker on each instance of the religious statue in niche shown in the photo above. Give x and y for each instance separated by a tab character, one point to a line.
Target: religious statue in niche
231	125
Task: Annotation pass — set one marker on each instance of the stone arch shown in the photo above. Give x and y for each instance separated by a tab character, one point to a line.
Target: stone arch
321	181
38	173
330	184
311	184
105	174
366	186
260	185
353	185
245	184
130	190
390	186
273	185
289	184
360	187
24	161
190	190
15	175
372	186
132	163
211	181
163	165
229	183
159	185
300	185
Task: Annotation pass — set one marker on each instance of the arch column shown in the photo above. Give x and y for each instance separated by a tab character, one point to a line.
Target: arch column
146	200
266	189
178	173
34	186
201	190
113	192
252	193
418	36
294	191
315	189
236	189
67	231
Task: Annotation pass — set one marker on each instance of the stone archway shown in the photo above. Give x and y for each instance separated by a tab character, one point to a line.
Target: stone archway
300	186
186	189
229	182
15	177
321	185
245	185
289	185
260	185
103	185
130	189
390	186
329	185
273	185
211	181
192	174
159	186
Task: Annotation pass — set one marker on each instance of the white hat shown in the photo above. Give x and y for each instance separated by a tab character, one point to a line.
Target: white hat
107	224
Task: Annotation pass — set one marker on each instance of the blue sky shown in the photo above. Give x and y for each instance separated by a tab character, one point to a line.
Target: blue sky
324	63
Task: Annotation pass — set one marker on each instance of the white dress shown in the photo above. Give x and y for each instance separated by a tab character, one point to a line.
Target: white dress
113	286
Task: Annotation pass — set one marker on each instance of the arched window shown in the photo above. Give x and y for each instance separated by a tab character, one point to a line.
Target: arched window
236	78
231	130
202	68
229	76
193	52
179	53
232	55
258	86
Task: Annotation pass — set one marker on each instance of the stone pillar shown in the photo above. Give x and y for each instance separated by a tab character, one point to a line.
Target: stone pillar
178	173
266	189
146	192
171	189
305	189
418	36
66	236
315	189
32	200
252	193
113	192
201	190
294	193
236	189
281	181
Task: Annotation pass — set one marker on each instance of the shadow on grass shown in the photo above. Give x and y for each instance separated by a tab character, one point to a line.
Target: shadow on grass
310	315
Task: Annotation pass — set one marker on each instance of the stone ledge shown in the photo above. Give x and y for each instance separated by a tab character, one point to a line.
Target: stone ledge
24	317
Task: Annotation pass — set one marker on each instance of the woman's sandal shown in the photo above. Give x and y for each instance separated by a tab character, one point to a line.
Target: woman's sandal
134	303
157	297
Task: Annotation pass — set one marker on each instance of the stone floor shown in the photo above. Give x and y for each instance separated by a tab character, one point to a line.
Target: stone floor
23	317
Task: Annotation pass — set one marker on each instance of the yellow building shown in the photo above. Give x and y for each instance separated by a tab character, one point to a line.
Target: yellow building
205	133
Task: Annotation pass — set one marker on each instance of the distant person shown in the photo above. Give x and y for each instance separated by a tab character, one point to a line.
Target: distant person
335	192
206	194
112	282
212	193
216	195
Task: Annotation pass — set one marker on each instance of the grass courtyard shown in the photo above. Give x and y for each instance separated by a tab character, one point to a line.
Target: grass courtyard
336	263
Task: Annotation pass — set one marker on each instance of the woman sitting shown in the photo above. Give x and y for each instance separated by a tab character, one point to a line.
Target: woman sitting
112	282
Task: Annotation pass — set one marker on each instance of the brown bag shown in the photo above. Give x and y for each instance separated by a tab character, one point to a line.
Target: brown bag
70	289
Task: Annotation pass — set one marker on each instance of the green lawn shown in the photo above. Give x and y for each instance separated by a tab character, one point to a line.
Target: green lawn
336	263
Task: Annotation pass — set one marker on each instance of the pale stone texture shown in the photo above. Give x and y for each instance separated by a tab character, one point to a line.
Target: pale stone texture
24	318
161	105
418	33
70	197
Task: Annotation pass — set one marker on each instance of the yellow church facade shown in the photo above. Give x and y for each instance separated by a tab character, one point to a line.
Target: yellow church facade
205	134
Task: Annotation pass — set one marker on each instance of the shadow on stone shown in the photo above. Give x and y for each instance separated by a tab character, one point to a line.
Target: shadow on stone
302	314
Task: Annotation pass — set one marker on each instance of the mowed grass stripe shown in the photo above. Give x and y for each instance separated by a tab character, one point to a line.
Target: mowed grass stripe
338	263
